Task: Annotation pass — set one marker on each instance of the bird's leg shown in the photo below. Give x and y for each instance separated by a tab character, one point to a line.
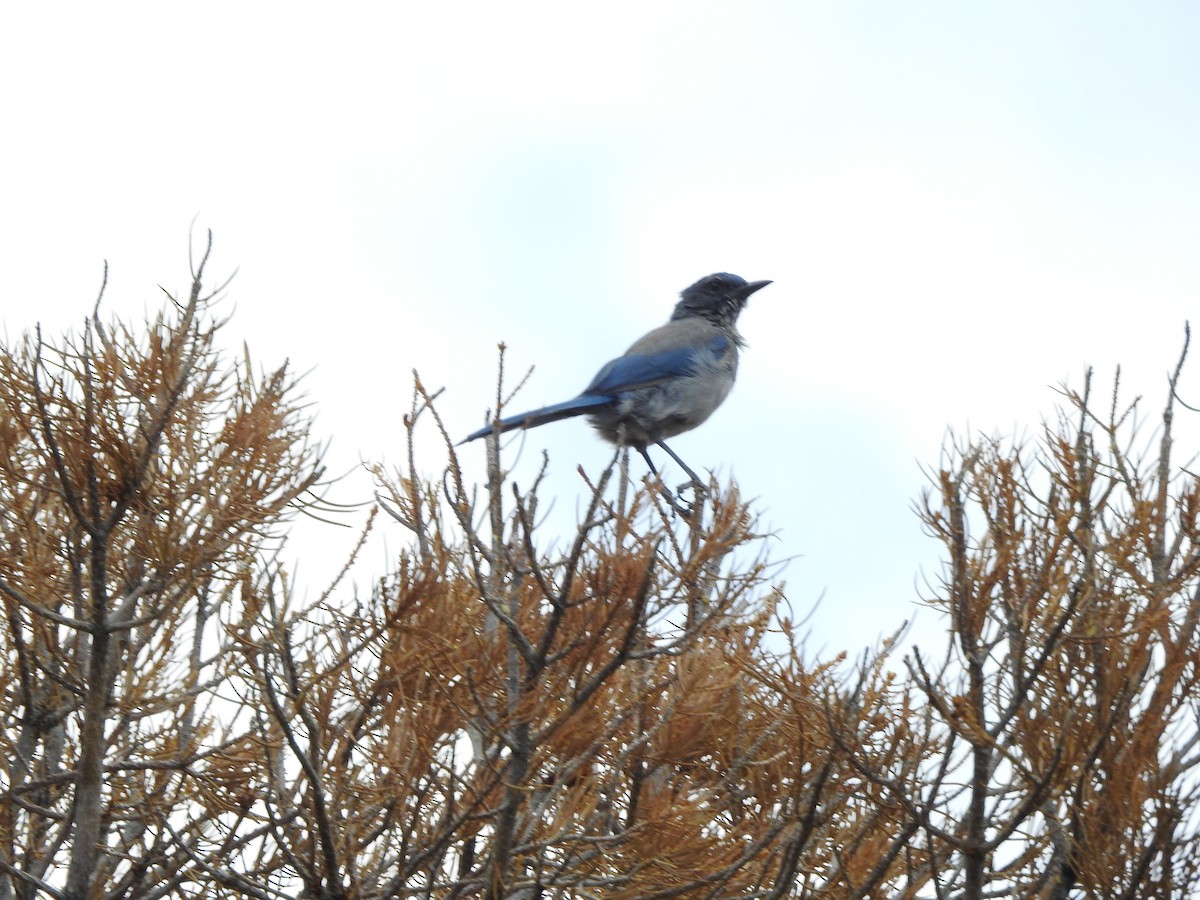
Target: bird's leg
684	511
650	463
698	485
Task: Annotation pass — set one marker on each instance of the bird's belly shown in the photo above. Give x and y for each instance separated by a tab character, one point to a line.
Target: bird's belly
643	417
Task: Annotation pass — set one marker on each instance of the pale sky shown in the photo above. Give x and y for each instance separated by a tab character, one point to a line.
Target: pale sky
961	206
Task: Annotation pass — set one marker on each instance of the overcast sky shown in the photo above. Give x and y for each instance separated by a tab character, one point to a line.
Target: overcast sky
961	205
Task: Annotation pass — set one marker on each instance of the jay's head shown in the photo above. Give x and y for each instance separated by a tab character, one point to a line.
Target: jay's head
719	298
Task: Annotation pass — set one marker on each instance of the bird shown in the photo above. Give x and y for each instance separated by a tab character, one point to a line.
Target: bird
669	381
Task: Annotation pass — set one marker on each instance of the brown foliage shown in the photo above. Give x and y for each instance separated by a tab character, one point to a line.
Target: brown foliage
138	479
633	716
1072	590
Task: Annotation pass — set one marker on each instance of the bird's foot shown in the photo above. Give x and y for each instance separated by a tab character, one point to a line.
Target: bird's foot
685	510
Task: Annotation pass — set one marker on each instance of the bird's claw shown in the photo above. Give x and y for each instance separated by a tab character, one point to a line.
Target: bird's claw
685	510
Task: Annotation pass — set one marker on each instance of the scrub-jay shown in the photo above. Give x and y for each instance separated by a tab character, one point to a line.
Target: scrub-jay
668	382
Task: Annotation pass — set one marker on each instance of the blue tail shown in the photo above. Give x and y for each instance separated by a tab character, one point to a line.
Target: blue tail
573	407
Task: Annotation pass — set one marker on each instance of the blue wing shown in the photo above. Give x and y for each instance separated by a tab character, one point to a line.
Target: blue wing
638	370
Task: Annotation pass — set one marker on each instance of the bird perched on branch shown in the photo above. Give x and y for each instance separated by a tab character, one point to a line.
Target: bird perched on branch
668	382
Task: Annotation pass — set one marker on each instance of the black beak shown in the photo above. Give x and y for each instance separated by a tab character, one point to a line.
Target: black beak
743	293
